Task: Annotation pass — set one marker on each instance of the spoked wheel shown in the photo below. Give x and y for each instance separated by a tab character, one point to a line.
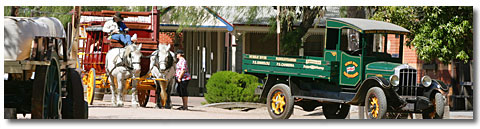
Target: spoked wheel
335	110
91	86
280	102
74	105
375	103
437	110
46	96
143	97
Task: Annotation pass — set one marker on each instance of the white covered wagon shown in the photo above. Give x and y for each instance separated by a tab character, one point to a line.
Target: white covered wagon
39	78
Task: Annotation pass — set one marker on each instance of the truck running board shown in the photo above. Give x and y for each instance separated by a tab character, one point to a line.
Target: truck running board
321	99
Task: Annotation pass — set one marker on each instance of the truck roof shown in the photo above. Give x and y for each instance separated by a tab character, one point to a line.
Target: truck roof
366	25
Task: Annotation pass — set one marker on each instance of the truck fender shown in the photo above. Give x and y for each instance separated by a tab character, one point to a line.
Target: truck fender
269	83
433	88
362	89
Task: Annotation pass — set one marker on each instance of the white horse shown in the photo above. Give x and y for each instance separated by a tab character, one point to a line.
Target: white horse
121	64
162	66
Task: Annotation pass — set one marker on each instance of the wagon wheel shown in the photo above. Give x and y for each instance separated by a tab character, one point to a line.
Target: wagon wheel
143	97
91	86
74	105
46	95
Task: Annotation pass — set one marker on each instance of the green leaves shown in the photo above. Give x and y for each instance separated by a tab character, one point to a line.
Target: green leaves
443	33
227	86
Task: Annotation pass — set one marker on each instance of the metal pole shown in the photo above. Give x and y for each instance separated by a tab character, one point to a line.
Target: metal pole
278	30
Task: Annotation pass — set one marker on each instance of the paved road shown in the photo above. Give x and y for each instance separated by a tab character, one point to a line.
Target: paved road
104	110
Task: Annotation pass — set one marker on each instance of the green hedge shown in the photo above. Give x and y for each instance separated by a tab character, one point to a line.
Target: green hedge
227	86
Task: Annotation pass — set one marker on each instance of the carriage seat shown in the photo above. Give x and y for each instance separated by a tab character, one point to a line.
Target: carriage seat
116	43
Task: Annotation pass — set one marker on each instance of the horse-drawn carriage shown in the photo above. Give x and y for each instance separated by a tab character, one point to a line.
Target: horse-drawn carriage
39	74
94	49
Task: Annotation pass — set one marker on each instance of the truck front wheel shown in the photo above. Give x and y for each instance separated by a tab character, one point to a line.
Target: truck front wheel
280	102
375	103
437	110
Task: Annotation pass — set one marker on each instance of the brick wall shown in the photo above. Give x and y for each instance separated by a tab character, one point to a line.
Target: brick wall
441	72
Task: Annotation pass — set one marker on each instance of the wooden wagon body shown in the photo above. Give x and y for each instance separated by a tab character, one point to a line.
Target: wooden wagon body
40	76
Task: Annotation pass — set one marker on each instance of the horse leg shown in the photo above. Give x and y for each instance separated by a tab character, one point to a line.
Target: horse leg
158	102
170	84
134	94
120	82
163	92
113	90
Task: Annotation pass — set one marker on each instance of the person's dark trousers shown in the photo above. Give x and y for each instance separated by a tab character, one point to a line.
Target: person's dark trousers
182	92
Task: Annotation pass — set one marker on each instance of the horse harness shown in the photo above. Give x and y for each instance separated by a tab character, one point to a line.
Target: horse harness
122	63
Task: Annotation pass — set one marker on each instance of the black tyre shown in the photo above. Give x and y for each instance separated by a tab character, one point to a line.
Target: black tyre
74	105
309	108
437	110
335	110
375	103
280	102
308	105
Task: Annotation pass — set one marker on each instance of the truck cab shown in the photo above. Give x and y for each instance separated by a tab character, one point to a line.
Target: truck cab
361	65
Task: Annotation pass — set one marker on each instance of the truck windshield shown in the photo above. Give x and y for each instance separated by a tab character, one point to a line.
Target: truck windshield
383	45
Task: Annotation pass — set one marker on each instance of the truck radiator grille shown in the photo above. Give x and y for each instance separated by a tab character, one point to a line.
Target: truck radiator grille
408	82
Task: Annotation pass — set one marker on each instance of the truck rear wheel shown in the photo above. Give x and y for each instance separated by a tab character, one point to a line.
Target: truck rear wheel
280	102
437	110
375	103
335	110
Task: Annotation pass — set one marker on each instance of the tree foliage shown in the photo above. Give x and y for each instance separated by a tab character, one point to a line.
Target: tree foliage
294	24
62	13
444	33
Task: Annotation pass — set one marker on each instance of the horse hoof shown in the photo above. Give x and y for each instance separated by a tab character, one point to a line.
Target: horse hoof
120	104
135	105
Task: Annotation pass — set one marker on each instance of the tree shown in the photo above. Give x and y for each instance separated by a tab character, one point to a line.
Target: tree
291	35
444	33
62	13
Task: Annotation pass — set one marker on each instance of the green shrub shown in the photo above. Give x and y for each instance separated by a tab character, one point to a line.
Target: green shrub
227	86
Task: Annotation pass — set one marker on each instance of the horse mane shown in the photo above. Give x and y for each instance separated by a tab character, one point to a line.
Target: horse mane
128	50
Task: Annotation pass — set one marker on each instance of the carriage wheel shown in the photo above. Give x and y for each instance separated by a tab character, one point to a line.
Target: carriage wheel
143	97
46	95
91	86
74	105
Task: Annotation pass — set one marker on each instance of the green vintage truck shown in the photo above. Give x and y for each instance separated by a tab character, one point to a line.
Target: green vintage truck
359	66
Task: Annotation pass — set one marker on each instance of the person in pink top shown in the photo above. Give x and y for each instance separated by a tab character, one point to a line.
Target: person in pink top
182	78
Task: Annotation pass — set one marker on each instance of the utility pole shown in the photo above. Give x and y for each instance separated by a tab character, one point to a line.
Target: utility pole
278	30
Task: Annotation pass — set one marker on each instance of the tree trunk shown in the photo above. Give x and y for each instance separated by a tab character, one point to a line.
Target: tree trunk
14	11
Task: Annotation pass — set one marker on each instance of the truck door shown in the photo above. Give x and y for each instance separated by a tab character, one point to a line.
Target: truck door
350	57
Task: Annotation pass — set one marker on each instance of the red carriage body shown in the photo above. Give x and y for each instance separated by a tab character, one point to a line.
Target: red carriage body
144	24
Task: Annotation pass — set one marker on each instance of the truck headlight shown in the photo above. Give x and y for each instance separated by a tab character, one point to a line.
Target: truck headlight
426	81
394	80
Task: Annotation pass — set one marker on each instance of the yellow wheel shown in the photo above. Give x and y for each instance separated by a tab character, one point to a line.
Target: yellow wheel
90	86
375	103
280	102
